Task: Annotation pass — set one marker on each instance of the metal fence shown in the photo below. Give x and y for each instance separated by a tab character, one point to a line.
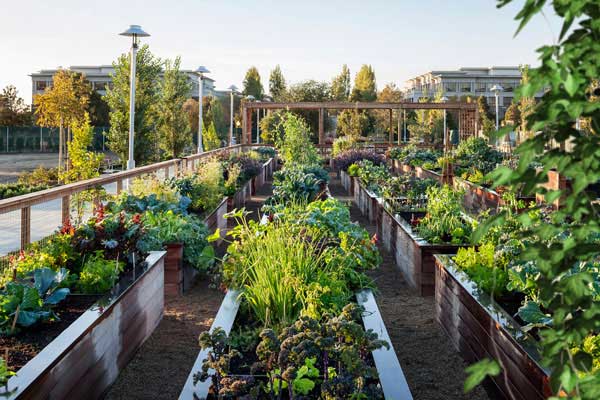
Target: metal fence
37	139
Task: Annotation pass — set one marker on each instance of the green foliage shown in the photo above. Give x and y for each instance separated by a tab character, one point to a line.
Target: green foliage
8	190
216	115
445	221
412	155
486	119
342	144
277	85
373	176
295	147
293	185
354	170
341	85
475	153
252	84
210	138
407	192
172	124
148	70
30	302
489	273
84	164
479	371
365	85
353	123
5	373
566	74
168	227
310	358
99	275
40	176
13	110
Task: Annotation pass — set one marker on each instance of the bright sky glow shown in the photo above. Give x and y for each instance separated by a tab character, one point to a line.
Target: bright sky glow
310	39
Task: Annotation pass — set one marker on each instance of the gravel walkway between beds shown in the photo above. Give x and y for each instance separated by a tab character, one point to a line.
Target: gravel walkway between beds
432	367
161	366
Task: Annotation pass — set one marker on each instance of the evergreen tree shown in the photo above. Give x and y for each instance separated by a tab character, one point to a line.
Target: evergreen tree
13	111
172	121
526	105
352	123
486	123
277	84
341	85
148	69
365	85
252	85
216	116
190	107
210	138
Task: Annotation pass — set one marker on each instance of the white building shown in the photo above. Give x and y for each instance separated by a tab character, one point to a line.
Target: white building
100	78
473	82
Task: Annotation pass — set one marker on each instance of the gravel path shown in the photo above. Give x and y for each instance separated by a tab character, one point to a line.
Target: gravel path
433	369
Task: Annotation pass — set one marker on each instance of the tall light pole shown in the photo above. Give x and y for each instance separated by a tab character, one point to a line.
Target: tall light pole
134	32
497	89
200	71
232	89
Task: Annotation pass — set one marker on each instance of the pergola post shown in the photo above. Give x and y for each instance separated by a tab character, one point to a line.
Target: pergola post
391	136
321	126
244	124
249	127
399	128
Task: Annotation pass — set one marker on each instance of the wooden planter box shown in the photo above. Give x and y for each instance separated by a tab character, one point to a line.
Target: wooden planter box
238	200
86	358
391	377
478	198
368	203
479	328
419	172
347	182
414	256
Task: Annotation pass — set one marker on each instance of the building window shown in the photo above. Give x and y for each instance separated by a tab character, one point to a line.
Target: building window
507	101
480	87
465	87
450	87
40	86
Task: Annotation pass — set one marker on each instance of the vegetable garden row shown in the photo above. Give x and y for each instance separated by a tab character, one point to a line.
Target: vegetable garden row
487	300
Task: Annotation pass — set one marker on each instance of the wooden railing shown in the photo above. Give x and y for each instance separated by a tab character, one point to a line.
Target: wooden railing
21	225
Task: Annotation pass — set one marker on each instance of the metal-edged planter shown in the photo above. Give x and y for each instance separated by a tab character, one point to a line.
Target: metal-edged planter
391	377
480	328
87	357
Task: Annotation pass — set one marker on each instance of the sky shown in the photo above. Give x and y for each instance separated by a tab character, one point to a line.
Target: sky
309	39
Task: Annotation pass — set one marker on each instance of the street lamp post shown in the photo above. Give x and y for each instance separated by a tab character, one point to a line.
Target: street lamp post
444	100
232	89
200	71
497	89
134	31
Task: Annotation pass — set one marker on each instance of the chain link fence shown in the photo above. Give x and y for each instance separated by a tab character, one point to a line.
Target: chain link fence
37	139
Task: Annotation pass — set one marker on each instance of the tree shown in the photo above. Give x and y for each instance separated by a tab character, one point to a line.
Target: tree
216	115
84	164
148	70
98	110
210	139
63	104
526	105
277	84
13	110
365	85
390	94
512	116
352	123
252	85
341	85
172	122
271	127
485	122
310	90
191	109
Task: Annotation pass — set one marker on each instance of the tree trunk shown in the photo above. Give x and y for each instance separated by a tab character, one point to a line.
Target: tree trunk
61	137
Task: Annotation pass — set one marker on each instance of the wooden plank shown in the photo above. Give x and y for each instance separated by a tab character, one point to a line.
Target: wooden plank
337	105
392	379
25	227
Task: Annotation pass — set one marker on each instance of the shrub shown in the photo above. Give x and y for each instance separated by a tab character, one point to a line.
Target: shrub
40	176
344	160
17	189
342	144
475	152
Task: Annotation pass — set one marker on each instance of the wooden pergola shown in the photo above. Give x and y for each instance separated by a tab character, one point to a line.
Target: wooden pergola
468	114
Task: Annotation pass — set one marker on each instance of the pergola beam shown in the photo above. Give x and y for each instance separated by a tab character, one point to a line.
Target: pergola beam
334	105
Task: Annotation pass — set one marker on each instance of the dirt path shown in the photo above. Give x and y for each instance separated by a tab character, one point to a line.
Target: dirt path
433	369
161	366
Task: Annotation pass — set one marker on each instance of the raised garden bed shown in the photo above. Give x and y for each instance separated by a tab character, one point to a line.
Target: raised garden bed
86	358
347	182
391	377
419	172
479	328
479	198
369	204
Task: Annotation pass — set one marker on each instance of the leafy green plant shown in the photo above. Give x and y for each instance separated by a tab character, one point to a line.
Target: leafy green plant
489	273
373	176
445	221
30	302
342	144
167	227
295	147
407	192
567	75
99	275
5	373
353	170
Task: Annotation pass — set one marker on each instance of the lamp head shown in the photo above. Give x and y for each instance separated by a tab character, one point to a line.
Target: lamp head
135	31
497	89
444	99
202	70
233	88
